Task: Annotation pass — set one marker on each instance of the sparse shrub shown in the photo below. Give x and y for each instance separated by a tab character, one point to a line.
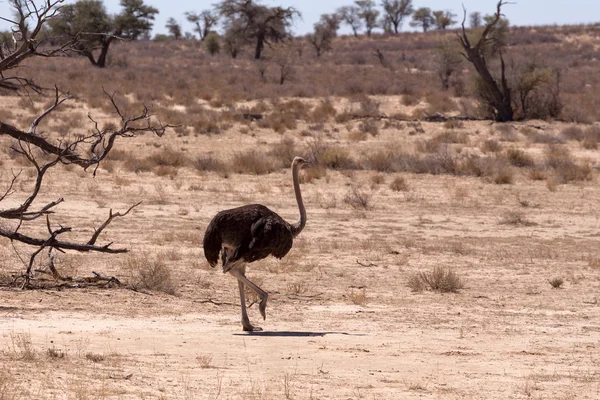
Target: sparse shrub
370	127
357	136
515	218
380	161
251	162
504	176
358	297
399	184
93	357
573	132
556	282
53	353
323	112
537	174
209	163
168	157
367	106
453	124
451	137
204	360
410	100
358	199
212	43
519	158
439	279
284	151
336	158
545	138
149	274
377	179
565	168
279	121
491	146
312	173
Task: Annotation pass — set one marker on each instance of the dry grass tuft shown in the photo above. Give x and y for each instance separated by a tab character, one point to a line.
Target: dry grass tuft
204	360
399	184
210	163
358	297
515	218
251	162
358	199
149	274
556	282
519	158
439	279
94	357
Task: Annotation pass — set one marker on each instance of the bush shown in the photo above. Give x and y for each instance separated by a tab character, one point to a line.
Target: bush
336	158
358	199
209	163
150	274
212	43
519	158
439	279
252	163
399	184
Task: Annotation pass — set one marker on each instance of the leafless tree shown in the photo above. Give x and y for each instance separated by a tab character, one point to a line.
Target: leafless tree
350	16
497	95
20	213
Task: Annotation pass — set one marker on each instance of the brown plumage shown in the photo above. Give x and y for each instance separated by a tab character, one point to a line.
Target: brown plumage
250	233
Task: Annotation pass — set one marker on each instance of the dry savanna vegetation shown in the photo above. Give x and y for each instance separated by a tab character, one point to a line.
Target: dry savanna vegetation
452	259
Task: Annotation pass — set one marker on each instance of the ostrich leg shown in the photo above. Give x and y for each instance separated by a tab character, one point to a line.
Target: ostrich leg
239	273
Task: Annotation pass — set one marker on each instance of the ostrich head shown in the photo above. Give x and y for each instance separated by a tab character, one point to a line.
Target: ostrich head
299	161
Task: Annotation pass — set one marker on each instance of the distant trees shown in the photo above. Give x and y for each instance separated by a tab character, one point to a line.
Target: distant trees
422	18
203	22
443	19
174	28
475	20
257	22
321	38
447	59
368	13
99	29
350	15
395	11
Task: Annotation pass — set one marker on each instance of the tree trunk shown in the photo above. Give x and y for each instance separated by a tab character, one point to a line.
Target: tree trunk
260	45
101	62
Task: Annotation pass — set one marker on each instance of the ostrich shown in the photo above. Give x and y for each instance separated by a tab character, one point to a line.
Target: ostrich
250	233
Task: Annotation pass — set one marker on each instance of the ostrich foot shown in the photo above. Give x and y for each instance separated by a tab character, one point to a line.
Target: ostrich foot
262	306
250	328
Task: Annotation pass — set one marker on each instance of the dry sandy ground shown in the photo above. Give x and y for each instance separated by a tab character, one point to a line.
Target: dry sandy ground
507	335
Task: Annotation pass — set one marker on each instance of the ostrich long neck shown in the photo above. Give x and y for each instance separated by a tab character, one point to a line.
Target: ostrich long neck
298	226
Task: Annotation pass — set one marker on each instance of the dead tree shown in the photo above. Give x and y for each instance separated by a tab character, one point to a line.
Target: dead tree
496	94
20	219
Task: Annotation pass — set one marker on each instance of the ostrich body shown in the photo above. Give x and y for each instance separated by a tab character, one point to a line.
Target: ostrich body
250	233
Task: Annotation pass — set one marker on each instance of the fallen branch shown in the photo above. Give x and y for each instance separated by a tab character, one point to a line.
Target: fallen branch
366	265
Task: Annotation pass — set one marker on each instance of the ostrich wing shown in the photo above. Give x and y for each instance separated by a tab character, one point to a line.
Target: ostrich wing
270	236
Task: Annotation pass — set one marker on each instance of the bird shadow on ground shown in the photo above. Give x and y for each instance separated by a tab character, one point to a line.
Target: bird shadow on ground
295	334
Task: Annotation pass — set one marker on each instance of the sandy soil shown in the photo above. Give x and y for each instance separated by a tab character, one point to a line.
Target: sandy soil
342	322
